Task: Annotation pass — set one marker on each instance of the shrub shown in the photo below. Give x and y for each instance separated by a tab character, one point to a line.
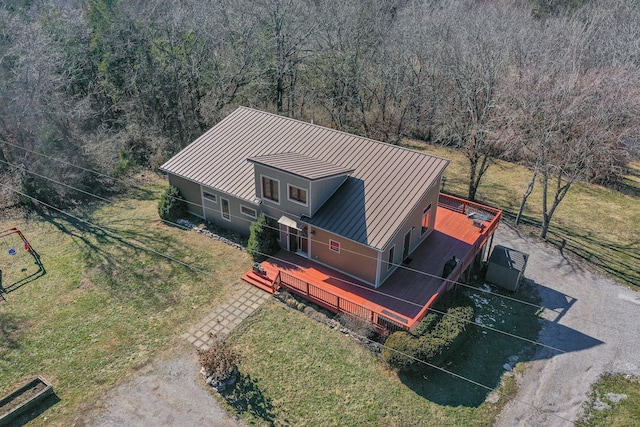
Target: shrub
172	205
220	361
433	341
263	239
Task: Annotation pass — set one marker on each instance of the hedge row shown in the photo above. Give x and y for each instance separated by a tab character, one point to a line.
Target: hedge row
438	341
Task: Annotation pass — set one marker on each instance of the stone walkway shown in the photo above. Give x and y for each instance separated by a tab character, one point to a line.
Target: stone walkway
228	315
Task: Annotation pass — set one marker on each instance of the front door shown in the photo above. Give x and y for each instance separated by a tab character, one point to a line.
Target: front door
293	239
407	245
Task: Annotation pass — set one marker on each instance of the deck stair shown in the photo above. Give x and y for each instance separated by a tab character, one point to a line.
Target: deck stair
262	281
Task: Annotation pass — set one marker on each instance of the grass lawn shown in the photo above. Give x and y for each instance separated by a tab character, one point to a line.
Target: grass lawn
600	225
614	402
104	305
297	372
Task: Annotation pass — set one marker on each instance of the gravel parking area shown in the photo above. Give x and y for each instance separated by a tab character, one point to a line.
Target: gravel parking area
590	317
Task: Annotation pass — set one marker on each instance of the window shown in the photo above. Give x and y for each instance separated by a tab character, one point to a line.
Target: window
211	197
270	189
426	218
298	194
248	211
334	246
391	256
225	209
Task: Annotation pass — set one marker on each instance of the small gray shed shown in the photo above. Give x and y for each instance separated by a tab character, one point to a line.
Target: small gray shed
506	267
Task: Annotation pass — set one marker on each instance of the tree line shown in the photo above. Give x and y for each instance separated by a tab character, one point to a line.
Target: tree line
111	85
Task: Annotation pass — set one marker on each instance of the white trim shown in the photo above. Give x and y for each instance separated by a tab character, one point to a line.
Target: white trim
255	211
222	200
262	188
206	194
289	186
331	241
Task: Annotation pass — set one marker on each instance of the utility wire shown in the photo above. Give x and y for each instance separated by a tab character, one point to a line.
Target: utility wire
488	292
143	247
337	278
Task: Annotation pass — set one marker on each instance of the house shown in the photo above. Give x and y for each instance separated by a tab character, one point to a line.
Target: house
350	203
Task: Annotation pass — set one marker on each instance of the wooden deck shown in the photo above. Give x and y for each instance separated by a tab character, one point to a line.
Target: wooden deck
405	297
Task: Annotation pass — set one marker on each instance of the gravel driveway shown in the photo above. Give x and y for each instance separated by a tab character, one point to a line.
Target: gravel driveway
166	392
592	318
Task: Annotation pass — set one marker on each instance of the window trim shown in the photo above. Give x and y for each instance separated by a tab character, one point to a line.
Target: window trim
212	199
289	187
255	212
391	257
334	246
262	177
222	200
425	212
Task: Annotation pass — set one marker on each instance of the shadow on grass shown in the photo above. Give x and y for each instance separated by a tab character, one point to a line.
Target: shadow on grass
120	256
9	328
619	261
482	360
246	397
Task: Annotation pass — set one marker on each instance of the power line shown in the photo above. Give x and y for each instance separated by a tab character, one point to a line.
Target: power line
426	274
476	383
348	282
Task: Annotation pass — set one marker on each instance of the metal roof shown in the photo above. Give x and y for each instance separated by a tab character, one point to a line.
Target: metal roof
385	184
301	165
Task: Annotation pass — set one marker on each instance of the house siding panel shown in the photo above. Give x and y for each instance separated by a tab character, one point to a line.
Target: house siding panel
354	259
190	191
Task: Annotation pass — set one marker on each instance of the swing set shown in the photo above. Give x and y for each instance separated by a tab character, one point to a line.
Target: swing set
12	251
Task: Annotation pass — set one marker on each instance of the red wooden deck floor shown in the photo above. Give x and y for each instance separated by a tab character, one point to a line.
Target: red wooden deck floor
411	287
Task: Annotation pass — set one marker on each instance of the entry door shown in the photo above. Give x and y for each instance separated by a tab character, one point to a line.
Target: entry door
407	245
293	239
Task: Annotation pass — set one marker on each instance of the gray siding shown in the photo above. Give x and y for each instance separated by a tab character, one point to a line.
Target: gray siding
190	191
285	206
322	189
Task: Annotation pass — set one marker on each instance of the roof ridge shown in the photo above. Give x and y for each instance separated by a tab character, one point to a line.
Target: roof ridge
400	147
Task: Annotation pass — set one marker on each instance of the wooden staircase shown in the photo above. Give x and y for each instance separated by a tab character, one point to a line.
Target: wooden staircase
264	282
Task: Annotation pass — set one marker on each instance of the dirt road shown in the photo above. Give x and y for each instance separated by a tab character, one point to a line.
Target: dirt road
590	317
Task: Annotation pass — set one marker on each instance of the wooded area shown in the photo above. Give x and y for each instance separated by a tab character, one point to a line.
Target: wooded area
111	85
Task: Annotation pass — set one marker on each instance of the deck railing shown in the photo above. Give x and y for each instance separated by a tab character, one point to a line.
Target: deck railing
488	217
382	318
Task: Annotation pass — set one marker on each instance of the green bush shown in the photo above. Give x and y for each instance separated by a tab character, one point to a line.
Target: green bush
437	337
263	239
172	205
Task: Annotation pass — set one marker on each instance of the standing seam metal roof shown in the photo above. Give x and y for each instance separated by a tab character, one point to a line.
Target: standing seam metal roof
385	183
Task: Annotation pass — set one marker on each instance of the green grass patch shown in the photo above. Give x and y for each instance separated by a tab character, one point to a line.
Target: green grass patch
614	402
106	302
297	371
597	224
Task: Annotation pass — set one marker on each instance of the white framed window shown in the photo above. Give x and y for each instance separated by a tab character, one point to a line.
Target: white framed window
334	246
270	189
426	219
297	194
391	256
250	212
210	197
225	212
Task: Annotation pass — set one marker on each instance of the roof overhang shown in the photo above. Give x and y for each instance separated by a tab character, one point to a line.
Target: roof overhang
285	220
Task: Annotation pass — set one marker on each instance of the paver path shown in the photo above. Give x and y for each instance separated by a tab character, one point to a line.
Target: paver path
228	315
